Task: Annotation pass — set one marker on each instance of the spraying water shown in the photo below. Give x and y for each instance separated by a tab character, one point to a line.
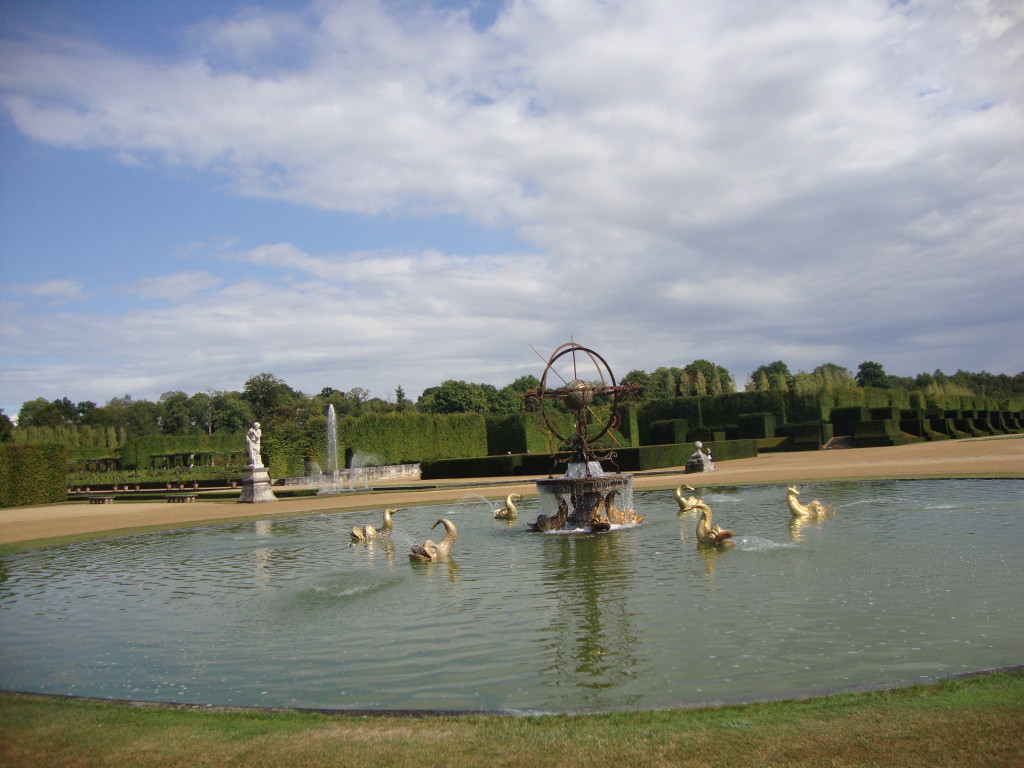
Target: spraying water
331	460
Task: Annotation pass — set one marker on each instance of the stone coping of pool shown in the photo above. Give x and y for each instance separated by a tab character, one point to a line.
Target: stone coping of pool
976	457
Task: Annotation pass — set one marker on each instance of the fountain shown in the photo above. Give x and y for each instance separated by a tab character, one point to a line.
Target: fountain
585	497
908	581
331	468
330	481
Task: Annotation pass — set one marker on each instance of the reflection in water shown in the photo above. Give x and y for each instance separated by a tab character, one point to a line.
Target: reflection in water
592	638
448	569
709	555
797	525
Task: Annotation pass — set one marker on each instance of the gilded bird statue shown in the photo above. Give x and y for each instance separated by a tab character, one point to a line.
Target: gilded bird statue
428	551
686	503
707	533
553	522
508	510
365	533
811	510
618	516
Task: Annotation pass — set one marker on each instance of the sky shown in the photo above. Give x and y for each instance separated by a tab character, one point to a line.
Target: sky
392	193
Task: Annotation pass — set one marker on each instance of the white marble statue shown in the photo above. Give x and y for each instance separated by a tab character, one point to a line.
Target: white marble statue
252	439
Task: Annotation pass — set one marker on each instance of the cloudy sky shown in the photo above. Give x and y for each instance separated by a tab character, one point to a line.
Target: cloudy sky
384	193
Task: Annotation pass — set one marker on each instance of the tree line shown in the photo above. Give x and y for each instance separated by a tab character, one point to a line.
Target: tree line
271	401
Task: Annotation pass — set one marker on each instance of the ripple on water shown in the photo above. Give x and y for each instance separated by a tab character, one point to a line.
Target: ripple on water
896	584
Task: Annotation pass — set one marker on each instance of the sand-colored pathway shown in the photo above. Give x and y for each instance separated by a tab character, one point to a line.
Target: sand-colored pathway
984	457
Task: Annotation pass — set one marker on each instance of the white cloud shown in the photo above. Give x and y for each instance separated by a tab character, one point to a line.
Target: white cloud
52	291
174	287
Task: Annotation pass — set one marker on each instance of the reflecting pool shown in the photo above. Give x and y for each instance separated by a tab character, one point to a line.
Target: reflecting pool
909	580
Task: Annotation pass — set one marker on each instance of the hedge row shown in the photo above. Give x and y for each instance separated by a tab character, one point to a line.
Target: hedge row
71	437
32	474
632	459
793	408
137	453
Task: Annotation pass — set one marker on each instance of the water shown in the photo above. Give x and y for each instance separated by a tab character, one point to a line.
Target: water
331	440
360	461
909	580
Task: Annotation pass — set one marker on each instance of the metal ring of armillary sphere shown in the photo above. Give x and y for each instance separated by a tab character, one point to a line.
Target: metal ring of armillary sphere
577	395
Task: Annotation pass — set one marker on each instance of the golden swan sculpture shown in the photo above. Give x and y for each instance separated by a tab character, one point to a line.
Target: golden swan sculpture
620	516
507	511
553	522
813	509
364	533
597	520
686	503
431	552
707	533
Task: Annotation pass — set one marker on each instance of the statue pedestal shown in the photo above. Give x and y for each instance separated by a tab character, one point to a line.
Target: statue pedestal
695	464
256	486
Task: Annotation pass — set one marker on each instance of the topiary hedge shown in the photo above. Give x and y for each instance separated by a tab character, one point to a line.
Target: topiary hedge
32	474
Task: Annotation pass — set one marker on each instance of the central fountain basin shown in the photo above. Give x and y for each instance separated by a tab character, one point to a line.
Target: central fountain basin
908	581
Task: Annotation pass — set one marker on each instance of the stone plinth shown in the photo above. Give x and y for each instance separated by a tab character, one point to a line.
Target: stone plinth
256	486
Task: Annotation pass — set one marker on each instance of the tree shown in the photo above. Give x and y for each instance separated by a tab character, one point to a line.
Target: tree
39	413
639	379
871	374
774	376
200	410
510	398
89	415
6	427
175	416
270	397
454	397
138	418
663	383
231	412
717	379
402	403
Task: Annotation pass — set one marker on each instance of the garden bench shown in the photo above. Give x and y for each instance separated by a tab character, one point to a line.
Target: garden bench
101	500
181	497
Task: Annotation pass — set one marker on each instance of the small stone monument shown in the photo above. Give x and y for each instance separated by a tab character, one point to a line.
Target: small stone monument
255	478
699	461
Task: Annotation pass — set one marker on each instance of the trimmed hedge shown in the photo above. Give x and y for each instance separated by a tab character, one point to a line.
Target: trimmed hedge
137	453
668	431
633	459
399	438
758	426
805	437
880	432
32	474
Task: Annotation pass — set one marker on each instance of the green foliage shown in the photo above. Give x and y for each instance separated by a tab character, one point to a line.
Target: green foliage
768	377
270	397
6	427
138	453
403	437
507	434
757	426
871	374
32	474
72	437
666	431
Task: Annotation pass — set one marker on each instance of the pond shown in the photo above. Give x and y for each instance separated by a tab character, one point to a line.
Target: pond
907	581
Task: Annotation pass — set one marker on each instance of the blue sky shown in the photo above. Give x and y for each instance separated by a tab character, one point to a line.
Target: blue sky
358	193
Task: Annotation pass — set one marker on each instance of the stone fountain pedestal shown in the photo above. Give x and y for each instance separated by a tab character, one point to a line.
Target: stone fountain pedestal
256	486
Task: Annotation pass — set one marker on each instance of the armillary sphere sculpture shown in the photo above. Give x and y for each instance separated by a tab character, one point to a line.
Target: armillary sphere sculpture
578	396
585	497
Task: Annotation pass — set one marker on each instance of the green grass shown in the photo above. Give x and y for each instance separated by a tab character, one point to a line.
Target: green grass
977	721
